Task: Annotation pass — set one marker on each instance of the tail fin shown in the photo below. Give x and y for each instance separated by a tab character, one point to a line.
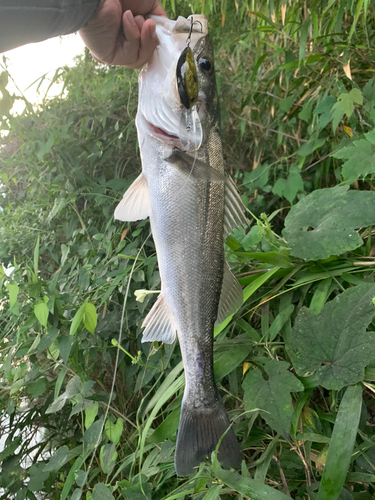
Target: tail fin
198	434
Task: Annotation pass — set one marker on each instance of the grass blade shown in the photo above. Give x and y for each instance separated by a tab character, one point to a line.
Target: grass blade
342	444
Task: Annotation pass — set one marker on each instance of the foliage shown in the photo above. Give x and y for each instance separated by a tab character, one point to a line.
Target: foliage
90	412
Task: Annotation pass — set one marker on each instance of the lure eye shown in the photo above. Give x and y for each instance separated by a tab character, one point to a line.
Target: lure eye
205	65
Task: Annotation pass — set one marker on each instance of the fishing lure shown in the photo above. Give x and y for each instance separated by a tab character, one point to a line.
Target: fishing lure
190	129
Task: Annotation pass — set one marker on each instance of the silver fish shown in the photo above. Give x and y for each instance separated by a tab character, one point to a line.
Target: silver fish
193	206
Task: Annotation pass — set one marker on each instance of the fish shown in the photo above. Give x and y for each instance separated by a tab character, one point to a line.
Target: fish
193	205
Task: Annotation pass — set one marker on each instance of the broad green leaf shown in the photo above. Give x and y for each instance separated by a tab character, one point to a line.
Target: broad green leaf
108	457
334	345
13	293
101	492
114	431
360	158
288	188
37	478
80	478
41	312
37	388
61	457
90	318
323	110
324	222
90	414
272	395
77	494
92	437
77	320
57	404
341	445
144	492
65	345
345	106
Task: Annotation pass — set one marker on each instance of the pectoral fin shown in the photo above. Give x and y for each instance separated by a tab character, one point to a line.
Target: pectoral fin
135	205
158	324
231	297
234	212
194	168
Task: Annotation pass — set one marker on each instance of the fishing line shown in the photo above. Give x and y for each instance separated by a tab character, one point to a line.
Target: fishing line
117	356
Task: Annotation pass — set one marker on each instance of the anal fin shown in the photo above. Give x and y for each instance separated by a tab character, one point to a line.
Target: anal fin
231	297
135	204
158	324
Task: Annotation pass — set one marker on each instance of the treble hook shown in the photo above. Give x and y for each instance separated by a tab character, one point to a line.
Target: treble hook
192	22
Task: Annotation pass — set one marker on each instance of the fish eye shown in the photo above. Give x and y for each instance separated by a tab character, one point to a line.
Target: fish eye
205	65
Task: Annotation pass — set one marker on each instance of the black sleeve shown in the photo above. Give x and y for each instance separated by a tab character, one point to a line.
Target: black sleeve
25	21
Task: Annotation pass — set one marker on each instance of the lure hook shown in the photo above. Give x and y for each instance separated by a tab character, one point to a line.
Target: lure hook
192	22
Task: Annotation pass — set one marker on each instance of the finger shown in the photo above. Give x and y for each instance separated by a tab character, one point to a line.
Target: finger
148	43
139	21
128	52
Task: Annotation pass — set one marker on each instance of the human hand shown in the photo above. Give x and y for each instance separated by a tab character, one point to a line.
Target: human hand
119	33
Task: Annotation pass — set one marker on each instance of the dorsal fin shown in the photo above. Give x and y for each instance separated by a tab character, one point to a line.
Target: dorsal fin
135	204
234	213
158	324
231	297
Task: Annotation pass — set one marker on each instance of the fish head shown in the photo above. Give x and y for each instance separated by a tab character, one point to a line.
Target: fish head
160	110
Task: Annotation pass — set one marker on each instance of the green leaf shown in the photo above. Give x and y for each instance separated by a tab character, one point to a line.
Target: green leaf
41	312
288	188
90	414
108	457
247	486
114	431
77	320
323	110
272	394
92	436
37	388
360	156
13	293
279	322
167	428
324	222
90	318
226	361
213	493
10	448
334	345
101	492
345	106
61	457
342	443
